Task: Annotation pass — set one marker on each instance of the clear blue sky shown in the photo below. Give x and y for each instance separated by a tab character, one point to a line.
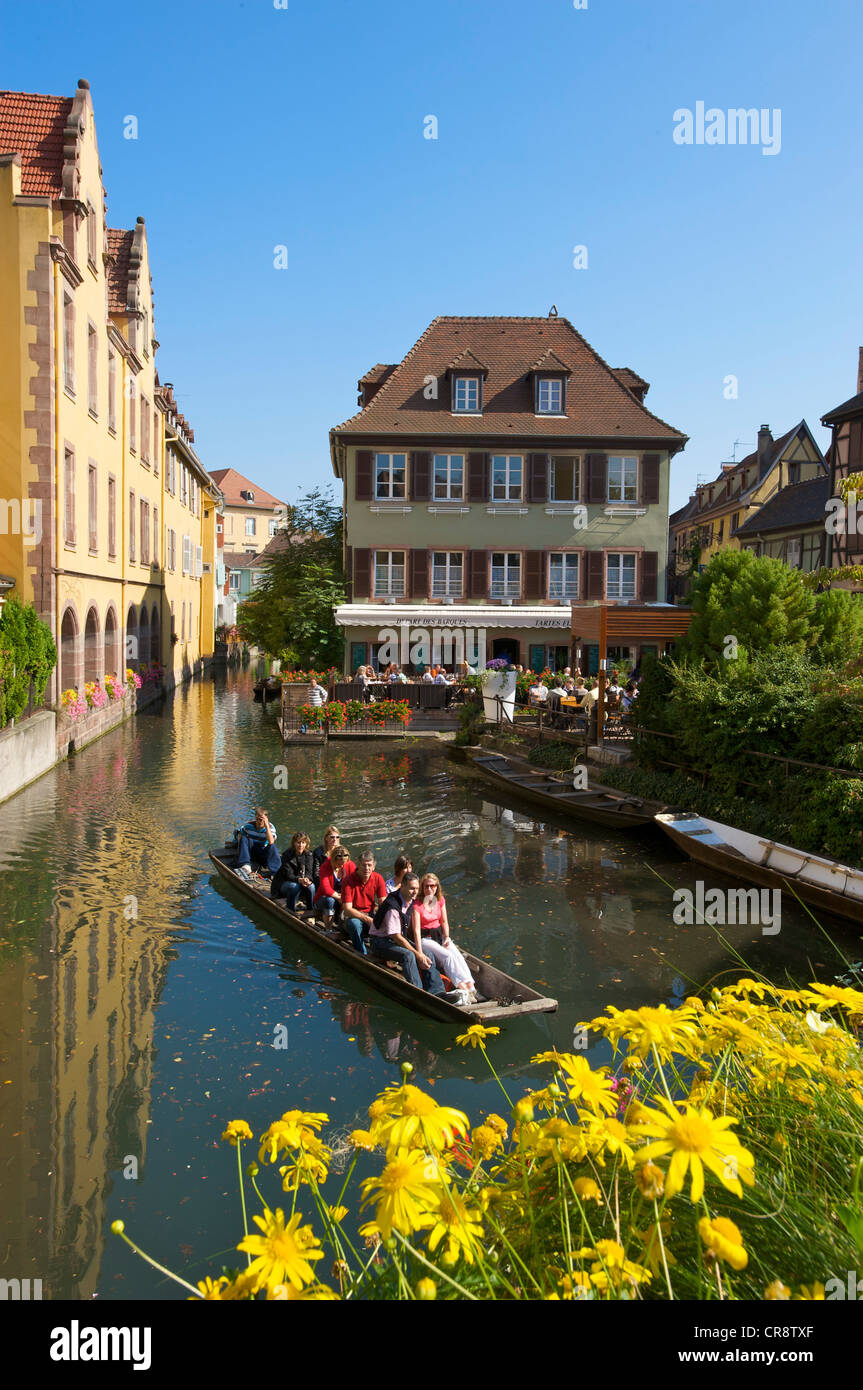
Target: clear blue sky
304	127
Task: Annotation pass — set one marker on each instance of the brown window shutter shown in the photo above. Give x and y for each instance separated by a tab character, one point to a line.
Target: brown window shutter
477	477
363	475
419	574
596	574
597	478
537	477
534	564
362	574
478	569
649	563
650	479
349	573
420	477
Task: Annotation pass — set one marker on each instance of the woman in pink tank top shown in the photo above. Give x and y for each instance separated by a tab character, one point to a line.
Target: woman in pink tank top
431	936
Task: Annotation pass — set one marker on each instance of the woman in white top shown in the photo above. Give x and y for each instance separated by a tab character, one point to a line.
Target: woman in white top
401	867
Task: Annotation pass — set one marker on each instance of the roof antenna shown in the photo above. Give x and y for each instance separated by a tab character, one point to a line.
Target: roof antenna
552	313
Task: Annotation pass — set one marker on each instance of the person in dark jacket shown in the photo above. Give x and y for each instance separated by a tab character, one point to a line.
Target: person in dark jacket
295	879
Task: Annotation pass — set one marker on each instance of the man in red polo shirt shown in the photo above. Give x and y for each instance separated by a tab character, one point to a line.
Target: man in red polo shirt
363	891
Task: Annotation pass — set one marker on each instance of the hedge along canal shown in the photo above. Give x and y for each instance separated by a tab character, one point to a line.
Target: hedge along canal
140	1001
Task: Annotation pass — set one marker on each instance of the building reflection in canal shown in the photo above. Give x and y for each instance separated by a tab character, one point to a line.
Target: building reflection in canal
122	954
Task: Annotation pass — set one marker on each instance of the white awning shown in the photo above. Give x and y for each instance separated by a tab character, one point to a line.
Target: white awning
443	616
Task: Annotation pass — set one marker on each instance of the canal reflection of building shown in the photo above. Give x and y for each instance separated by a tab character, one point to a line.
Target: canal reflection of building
81	1087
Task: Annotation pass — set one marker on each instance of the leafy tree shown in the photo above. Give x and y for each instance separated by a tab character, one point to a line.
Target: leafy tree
758	601
292	612
27	653
839	619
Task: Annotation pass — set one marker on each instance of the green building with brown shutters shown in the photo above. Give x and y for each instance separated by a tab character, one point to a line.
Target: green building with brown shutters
497	474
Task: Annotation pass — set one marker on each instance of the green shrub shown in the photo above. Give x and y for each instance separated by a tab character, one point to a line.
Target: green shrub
555	755
27	653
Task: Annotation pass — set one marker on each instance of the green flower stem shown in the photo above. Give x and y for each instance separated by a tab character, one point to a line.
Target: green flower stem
161	1268
243	1195
494	1073
438	1273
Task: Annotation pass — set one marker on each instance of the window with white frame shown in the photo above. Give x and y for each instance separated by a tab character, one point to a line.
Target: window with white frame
133	415
187	554
447	573
91	234
389	573
145	430
562	575
793	548
250	526
68	343
448	477
549	396
184	484
619	575
234	581
112	390
622	479
390	474
92	370
465	395
565	482
506	574
506	476
273	526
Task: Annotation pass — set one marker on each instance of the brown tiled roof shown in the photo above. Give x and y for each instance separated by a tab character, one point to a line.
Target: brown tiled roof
32	126
119	246
631	380
379	372
467	361
233	483
598	405
238	559
549	362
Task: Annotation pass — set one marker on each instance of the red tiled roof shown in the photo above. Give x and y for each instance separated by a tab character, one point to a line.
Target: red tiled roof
33	125
119	246
598	404
379	372
631	380
233	483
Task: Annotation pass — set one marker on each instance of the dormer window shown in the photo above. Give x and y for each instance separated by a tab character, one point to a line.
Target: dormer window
549	395
466	395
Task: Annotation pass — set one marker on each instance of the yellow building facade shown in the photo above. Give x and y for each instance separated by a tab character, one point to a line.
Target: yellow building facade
107	515
718	508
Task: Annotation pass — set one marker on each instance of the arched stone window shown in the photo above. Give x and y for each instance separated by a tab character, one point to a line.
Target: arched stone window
144	637
131	635
155	636
92	648
113	664
71	672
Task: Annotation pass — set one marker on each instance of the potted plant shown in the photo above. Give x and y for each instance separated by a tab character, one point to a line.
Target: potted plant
498	684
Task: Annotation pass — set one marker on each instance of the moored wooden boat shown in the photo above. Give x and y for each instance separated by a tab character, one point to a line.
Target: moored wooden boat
822	883
600	804
500	997
266	690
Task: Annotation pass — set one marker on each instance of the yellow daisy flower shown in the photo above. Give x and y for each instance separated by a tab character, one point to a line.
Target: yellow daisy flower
457	1227
777	1292
412	1117
495	1122
287	1293
810	1293
283	1253
406	1193
362	1139
486	1141
587	1085
587	1190
666	1029
236	1129
722	1237
650	1181
475	1035
696	1140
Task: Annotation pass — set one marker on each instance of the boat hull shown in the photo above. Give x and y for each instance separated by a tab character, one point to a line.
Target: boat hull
601	805
768	864
505	997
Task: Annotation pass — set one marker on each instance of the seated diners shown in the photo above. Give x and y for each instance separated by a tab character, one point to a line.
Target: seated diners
538	692
331	880
362	893
295	878
628	697
390	938
432	938
400	867
256	841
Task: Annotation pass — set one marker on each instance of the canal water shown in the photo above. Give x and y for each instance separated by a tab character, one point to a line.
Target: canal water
140	998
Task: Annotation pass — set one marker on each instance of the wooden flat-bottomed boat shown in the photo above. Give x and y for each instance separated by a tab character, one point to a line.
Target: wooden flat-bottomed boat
600	804
822	883
500	997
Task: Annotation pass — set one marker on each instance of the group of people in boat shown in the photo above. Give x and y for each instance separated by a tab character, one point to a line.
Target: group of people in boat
403	918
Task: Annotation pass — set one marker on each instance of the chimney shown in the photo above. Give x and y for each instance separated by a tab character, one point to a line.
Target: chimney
765	441
859	370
